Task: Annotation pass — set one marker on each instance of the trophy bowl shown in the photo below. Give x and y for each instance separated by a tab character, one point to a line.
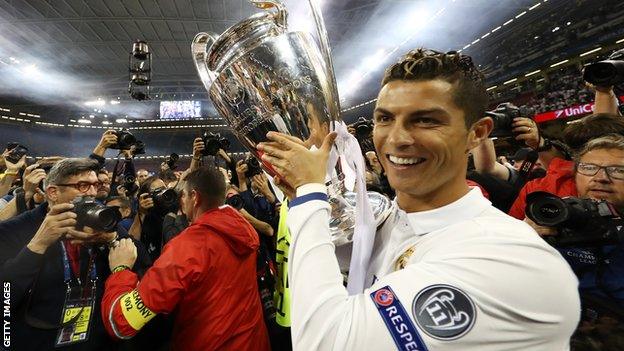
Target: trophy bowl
261	77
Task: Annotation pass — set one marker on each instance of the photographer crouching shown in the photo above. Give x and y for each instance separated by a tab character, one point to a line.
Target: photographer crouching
588	233
54	257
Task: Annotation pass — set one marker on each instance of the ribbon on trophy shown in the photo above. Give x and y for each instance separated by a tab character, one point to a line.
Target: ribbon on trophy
349	154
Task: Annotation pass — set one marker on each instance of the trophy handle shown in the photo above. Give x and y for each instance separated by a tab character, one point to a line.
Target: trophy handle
326	52
199	48
281	15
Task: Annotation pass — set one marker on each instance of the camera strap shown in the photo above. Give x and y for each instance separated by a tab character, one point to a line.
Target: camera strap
113	185
79	302
528	164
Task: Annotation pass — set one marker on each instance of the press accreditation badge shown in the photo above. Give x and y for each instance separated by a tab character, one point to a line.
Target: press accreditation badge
77	315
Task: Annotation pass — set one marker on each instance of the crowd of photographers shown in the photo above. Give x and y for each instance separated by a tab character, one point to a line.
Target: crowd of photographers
67	223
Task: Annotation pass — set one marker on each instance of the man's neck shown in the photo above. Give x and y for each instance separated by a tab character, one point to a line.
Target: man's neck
425	202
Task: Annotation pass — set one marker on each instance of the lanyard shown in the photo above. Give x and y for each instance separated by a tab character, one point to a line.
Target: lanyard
67	268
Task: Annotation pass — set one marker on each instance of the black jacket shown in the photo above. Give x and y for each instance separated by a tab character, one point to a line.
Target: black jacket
40	279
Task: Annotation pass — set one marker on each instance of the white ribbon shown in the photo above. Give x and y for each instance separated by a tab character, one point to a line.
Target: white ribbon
354	169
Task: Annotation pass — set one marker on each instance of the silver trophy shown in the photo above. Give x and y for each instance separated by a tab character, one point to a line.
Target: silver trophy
261	78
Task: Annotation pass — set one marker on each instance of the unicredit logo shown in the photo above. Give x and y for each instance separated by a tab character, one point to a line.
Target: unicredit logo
575	110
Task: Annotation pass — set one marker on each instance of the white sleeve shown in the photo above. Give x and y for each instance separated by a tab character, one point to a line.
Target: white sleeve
460	299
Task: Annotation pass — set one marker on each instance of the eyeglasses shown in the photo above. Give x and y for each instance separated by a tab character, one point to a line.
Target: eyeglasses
590	169
83	187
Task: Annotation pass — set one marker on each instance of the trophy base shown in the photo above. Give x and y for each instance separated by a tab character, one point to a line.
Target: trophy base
342	224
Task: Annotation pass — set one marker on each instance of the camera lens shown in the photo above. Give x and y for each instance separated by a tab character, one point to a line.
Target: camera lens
547	210
104	219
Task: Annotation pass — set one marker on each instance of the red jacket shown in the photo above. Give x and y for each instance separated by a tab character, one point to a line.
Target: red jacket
206	276
559	180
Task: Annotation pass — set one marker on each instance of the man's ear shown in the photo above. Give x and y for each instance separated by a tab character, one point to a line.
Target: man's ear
196	198
479	131
52	193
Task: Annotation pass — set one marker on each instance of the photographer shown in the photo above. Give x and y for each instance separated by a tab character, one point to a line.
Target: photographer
33	175
559	179
104	189
147	224
141	175
49	261
259	212
125	210
423	287
598	175
206	277
11	172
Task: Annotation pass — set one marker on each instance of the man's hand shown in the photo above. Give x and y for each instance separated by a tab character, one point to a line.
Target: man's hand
15	167
296	164
224	155
605	90
59	221
108	139
526	130
260	182
374	162
145	203
198	148
124	253
241	169
542	231
32	177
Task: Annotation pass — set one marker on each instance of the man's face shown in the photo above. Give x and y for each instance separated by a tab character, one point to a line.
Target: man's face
422	142
59	194
187	204
104	188
141	176
318	130
601	186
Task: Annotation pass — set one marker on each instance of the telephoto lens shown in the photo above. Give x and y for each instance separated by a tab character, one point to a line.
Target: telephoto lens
92	214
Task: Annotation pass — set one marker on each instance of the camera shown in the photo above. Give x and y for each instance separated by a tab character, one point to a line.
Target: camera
16	152
253	167
363	129
503	116
213	142
235	201
139	148
579	222
125	140
171	161
92	214
164	199
606	73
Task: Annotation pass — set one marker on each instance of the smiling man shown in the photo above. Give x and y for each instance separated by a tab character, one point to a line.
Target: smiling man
448	271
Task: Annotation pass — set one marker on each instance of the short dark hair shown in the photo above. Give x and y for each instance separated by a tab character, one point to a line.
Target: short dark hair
145	186
167	176
469	92
209	183
591	127
69	167
124	201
